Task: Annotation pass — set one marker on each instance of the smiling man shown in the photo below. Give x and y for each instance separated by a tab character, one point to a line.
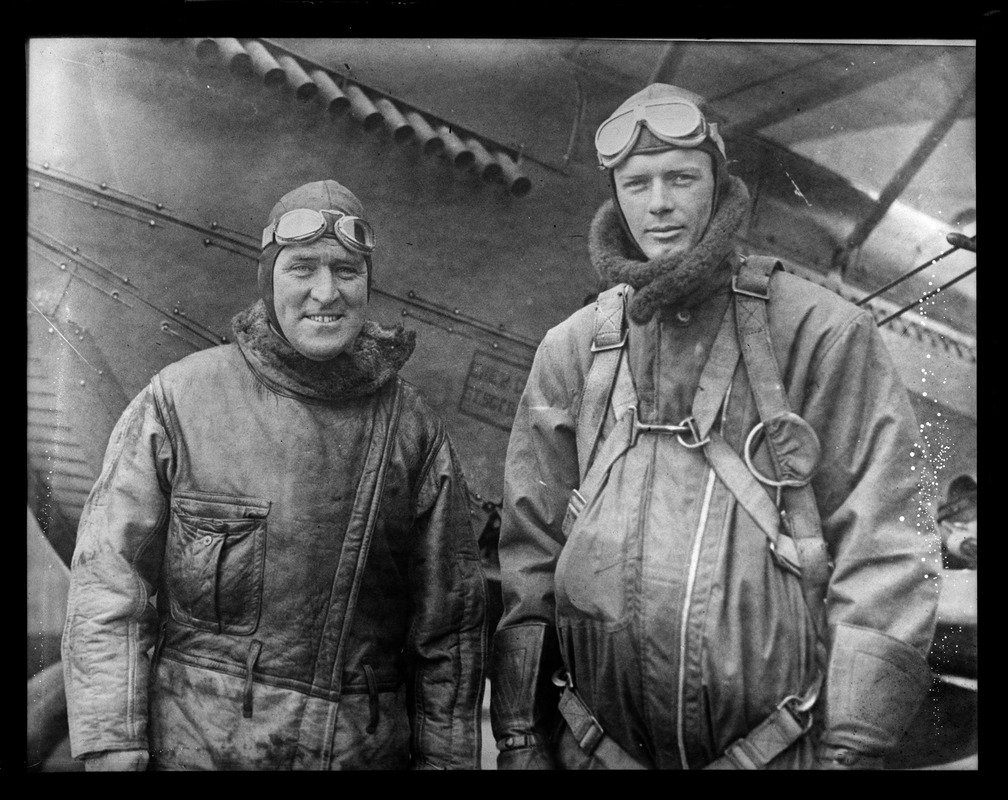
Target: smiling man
698	460
276	568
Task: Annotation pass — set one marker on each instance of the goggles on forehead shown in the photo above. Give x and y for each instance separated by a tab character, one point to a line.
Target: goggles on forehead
306	225
674	121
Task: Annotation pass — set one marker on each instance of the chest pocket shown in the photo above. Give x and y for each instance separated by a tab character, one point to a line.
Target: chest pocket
214	560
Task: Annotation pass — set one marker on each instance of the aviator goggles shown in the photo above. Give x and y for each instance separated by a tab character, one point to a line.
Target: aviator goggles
306	225
674	121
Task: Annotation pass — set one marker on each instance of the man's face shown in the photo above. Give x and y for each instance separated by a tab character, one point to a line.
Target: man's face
320	296
666	199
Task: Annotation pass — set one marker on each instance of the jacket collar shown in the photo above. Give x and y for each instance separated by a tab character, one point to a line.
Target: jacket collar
683	280
374	358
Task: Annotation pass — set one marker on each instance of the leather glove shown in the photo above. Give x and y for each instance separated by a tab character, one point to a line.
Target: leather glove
874	687
117	761
523	698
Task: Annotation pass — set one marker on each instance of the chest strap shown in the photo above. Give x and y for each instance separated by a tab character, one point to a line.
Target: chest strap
607	348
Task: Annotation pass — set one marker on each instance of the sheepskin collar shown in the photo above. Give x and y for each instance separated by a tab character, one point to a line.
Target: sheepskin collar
375	357
683	280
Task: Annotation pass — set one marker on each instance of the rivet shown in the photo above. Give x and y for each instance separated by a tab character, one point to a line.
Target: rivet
206	242
50	330
115	295
164	326
94	204
101	372
125	280
683	316
82	383
152	223
37	184
456	311
213	224
76	249
104	185
159	205
451	329
174	311
404	312
495	345
45	165
411	293
63	266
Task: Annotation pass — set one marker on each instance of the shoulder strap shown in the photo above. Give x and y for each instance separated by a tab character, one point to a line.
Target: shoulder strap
607	346
752	290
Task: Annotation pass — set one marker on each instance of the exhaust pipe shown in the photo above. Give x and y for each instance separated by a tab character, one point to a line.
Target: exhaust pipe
486	164
332	95
362	108
238	62
455	149
400	129
264	63
430	142
517	183
206	49
303	86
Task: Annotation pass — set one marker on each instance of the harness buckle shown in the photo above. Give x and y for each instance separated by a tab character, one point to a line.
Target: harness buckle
562	678
735	288
800	708
598	348
688	425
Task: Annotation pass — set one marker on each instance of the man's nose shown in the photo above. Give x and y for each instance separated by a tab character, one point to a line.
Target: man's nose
660	198
325	287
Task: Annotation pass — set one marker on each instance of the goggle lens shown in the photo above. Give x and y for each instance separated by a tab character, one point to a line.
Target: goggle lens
678	120
615	133
299	225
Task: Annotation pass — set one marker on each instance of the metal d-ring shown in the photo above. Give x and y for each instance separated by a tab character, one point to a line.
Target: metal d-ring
752	467
690	424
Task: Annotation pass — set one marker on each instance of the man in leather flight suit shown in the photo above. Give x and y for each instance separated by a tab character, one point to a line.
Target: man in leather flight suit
300	515
680	639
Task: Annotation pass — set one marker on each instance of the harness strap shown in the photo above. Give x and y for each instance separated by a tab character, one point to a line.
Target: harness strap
607	345
785	725
753	498
782	727
590	736
751	288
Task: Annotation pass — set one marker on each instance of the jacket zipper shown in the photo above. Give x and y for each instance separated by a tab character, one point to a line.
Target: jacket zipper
690	580
691	577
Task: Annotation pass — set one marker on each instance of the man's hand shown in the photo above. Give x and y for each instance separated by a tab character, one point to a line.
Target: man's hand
117	761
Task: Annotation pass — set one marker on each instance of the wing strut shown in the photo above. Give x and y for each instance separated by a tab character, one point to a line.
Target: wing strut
899	181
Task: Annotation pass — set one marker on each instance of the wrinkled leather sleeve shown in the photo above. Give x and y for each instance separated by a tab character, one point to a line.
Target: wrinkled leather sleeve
447	649
872	491
111	622
541	468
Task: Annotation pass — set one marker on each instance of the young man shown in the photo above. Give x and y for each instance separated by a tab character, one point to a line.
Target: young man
276	568
712	538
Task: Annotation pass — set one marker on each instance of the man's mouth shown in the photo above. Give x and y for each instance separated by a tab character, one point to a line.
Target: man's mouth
664	230
324	318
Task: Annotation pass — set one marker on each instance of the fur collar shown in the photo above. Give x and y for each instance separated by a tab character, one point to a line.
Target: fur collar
375	357
682	280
